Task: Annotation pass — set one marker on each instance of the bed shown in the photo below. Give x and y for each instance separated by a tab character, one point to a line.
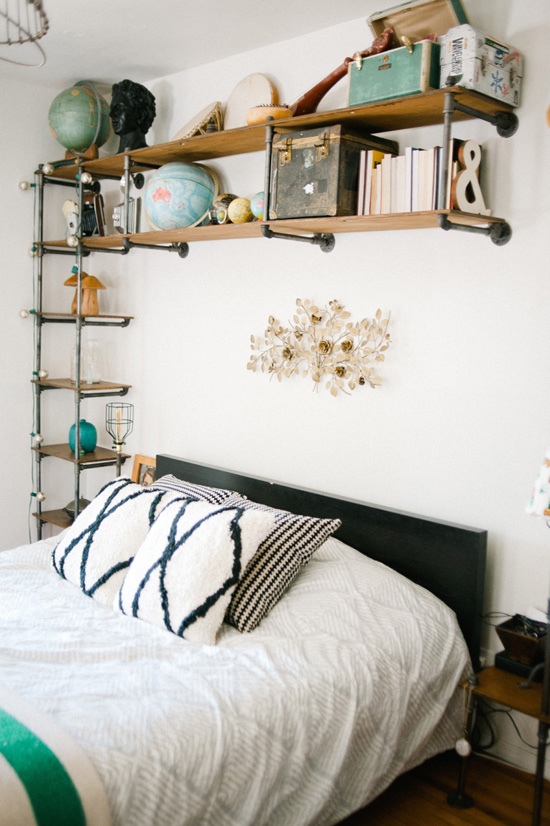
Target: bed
349	679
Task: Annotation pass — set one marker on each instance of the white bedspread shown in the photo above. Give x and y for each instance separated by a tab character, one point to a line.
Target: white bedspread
342	687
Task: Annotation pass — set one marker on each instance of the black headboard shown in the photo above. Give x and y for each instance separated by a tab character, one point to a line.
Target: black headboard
447	559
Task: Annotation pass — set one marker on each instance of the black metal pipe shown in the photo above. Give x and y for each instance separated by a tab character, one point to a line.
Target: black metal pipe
182	248
84	394
324	240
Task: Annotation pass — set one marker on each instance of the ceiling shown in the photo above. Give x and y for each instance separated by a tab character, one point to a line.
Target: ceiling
108	40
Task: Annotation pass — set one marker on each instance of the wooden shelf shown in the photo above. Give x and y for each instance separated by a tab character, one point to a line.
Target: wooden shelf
74	316
63	451
56	517
67	384
424	109
304	226
501	687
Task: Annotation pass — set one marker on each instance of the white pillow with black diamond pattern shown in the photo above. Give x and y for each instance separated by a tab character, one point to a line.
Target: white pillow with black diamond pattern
184	574
97	549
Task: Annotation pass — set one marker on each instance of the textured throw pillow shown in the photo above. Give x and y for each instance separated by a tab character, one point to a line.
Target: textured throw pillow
184	574
289	546
97	549
188	489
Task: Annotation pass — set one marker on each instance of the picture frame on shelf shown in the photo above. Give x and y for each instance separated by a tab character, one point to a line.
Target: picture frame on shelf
144	470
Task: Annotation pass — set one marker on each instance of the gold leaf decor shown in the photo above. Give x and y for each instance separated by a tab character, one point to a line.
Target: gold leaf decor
323	344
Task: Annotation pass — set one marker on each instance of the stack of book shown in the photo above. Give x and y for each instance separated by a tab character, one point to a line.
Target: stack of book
405	183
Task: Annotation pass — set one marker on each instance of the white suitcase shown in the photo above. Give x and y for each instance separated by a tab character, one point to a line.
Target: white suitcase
481	63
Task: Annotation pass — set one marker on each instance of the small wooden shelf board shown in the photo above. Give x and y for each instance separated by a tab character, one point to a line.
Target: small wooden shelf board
67	384
79	315
501	687
63	451
55	517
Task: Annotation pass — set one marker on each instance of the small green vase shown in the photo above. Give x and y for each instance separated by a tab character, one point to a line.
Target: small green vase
88	436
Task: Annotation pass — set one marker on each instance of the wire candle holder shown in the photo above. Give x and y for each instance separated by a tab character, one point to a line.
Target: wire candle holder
119	423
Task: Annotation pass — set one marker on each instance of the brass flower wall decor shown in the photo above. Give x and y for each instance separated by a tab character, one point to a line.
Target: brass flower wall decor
322	343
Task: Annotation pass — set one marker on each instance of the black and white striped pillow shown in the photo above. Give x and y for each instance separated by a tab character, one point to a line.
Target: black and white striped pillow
215	496
286	549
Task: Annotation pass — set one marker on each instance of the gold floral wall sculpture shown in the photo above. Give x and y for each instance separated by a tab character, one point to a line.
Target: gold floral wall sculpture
323	344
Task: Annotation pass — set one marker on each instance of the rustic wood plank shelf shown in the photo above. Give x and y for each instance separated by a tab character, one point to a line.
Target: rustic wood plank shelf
501	687
63	451
424	109
55	517
67	384
79	315
346	223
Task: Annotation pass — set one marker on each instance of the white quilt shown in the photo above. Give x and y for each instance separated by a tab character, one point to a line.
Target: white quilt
348	682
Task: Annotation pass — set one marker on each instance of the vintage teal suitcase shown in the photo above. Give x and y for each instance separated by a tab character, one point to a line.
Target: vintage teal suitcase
407	69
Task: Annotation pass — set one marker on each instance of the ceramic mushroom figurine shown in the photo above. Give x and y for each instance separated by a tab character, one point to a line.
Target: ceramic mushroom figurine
90	286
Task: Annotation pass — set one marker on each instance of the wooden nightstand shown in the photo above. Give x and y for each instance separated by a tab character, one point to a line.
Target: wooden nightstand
501	687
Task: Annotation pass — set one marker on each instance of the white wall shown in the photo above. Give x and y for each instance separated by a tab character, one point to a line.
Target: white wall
23	145
460	424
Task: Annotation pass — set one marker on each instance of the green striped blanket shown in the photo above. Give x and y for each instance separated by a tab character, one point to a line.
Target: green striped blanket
45	778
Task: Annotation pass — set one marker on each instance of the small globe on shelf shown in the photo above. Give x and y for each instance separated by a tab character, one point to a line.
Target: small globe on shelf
76	120
257	205
239	211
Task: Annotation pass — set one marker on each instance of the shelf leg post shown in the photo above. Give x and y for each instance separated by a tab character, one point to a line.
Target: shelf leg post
459	799
78	356
268	162
448	110
39	259
127	164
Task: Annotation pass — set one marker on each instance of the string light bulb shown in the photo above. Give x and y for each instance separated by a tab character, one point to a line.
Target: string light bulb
24	313
33	251
72	241
47	169
40	496
86	178
43	374
39	438
23	185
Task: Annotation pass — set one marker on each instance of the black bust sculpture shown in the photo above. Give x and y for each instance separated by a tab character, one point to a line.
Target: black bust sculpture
132	113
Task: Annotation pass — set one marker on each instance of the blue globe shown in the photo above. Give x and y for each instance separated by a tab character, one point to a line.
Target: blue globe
73	118
179	195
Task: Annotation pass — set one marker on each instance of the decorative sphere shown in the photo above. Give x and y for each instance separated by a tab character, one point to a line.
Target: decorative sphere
73	118
218	210
40	496
24	313
179	195
239	211
257	205
43	374
39	439
23	185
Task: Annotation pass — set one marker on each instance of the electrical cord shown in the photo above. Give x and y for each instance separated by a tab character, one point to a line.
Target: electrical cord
484	711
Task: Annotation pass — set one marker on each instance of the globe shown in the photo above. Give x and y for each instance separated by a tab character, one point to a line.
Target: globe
257	205
239	211
73	118
179	195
